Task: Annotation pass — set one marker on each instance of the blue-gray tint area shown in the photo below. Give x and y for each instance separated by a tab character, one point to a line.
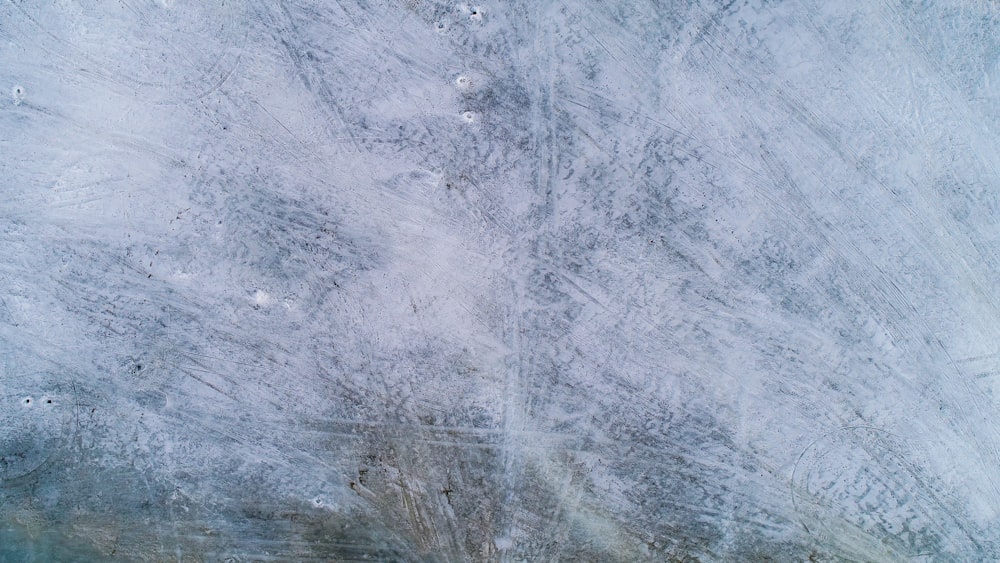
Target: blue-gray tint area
305	280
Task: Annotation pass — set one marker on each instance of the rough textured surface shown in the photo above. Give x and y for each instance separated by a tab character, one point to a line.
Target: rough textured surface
423	281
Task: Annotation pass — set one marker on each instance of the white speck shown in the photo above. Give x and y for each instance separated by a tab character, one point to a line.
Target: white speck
469	116
261	298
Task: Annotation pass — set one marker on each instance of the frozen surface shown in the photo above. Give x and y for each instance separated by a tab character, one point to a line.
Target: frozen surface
420	281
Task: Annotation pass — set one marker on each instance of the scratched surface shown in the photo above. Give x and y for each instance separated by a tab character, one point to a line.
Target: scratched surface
421	281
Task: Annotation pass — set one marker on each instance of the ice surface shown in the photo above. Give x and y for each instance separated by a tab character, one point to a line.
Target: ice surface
425	281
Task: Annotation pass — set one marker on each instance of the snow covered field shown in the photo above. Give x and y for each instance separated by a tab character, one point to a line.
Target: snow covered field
314	280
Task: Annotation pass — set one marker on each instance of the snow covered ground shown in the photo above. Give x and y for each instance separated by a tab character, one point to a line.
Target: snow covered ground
530	280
